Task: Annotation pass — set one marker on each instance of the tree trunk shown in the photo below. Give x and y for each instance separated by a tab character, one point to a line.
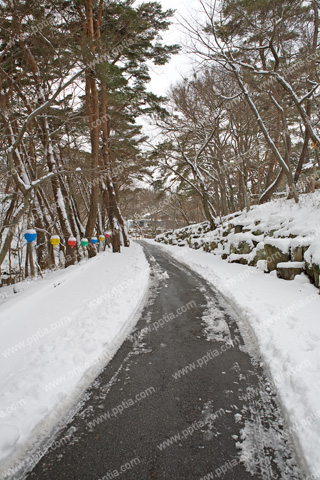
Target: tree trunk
116	243
113	210
267	137
6	245
93	113
70	256
267	194
31	261
206	207
303	156
92	104
41	249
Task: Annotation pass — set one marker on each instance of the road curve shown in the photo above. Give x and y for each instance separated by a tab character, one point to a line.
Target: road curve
182	399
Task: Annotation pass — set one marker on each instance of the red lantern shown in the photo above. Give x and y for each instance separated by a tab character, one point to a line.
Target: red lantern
72	242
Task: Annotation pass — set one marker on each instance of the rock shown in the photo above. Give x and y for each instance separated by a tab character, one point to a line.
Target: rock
244	247
233	248
206	247
260	254
288	270
238	228
313	272
213	246
309	271
206	227
224	256
234	258
274	256
297	254
311	257
316	274
257	233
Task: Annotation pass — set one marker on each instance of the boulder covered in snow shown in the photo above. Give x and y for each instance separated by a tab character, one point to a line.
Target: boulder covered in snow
280	231
277	251
289	270
312	258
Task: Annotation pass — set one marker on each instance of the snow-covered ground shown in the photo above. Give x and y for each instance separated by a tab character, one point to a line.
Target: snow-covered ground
284	318
280	223
56	334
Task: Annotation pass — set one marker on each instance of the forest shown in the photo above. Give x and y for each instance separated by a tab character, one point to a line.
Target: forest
241	129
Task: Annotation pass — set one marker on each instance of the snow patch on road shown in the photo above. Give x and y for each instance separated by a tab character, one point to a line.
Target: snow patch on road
216	326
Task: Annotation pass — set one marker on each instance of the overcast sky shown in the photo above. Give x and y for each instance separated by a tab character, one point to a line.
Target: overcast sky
162	77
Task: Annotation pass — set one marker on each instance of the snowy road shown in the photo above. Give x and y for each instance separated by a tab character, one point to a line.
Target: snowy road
183	398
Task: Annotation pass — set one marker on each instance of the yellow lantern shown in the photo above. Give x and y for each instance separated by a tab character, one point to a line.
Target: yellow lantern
101	238
55	240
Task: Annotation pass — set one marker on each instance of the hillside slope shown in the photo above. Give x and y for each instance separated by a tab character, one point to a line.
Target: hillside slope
279	235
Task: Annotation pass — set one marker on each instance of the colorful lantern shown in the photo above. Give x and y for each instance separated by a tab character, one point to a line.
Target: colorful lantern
84	242
72	242
30	235
55	240
108	234
101	238
94	240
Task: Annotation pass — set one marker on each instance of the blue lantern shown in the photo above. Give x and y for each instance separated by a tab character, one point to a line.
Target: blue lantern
30	235
94	240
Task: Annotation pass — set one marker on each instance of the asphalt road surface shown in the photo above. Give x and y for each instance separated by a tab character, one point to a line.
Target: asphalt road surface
183	398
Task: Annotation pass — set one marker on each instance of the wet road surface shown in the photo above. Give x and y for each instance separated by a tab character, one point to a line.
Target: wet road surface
183	398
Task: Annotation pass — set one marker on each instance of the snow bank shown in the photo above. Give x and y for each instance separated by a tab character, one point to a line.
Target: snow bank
55	336
285	319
